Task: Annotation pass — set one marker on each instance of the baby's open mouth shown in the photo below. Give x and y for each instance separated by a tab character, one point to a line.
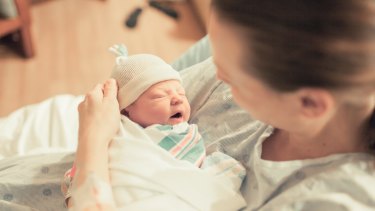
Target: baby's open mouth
177	115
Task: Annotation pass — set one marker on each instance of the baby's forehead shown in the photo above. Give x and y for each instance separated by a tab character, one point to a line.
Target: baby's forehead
166	85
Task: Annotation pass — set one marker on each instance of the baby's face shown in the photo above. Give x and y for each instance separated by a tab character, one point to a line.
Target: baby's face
163	103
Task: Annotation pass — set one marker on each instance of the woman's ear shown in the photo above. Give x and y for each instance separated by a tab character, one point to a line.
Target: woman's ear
315	103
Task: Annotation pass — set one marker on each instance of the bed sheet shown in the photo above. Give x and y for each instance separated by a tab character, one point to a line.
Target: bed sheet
33	182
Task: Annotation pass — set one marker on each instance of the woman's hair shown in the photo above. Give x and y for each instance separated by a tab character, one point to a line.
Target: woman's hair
308	43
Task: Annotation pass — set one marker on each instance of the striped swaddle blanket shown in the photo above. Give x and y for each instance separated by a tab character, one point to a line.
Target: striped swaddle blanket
182	141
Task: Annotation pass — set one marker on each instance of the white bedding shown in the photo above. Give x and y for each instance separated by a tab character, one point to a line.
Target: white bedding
47	127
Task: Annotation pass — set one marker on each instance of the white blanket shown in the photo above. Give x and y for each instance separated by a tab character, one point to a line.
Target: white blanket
47	127
146	177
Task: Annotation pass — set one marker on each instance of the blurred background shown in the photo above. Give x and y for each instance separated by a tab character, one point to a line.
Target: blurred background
70	38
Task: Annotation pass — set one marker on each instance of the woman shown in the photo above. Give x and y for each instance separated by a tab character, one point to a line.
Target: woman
305	68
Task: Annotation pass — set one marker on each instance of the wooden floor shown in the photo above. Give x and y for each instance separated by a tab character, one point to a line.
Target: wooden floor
71	40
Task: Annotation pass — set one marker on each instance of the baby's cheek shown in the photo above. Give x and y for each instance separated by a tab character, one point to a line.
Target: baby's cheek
187	113
159	112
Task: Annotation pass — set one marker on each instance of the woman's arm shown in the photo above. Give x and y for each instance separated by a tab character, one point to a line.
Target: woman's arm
99	118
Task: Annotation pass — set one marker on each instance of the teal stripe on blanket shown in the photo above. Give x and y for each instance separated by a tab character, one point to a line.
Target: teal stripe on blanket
164	127
168	142
171	141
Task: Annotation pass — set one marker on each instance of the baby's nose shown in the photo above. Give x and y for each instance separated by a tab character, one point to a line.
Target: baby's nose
176	99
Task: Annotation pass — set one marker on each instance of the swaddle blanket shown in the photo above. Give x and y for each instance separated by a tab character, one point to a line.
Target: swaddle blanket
145	174
182	141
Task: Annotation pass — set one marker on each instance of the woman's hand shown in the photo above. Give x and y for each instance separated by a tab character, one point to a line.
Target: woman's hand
99	121
99	115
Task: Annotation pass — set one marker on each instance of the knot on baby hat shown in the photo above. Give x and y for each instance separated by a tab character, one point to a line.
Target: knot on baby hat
135	74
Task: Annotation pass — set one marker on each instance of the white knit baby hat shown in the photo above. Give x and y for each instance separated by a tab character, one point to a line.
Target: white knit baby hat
135	74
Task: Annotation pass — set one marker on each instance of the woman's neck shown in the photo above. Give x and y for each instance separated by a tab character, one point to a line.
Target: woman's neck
342	134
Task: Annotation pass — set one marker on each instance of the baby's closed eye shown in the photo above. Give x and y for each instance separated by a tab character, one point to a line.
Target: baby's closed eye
158	96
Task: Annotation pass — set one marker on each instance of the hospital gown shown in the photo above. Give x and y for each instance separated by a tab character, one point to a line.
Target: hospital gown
338	182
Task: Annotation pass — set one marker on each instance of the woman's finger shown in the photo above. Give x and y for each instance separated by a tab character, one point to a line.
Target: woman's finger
96	94
110	88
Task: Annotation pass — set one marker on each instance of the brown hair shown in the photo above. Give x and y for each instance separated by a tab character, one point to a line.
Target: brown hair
308	43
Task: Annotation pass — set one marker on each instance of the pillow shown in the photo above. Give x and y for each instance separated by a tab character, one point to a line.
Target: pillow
221	122
197	53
